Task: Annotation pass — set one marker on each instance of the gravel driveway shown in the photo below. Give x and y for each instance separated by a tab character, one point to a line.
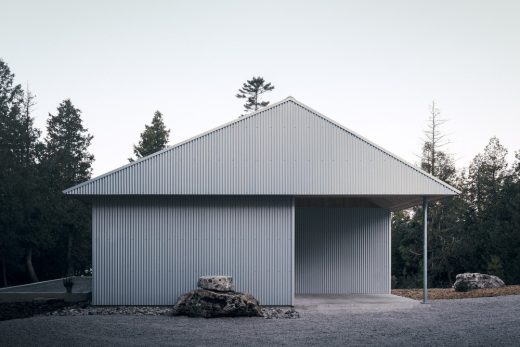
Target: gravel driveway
482	321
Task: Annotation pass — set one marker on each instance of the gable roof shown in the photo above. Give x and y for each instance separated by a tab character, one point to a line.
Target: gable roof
286	148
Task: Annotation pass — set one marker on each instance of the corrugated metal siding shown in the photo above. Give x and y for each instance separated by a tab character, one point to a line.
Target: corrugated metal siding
342	250
286	149
148	251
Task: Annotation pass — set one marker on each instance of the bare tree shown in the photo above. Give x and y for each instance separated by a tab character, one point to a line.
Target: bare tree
434	141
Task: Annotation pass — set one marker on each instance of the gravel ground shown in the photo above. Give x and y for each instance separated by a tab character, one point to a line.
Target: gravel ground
270	312
477	322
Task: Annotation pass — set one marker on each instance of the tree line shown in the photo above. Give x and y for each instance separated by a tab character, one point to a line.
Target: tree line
477	231
45	235
42	234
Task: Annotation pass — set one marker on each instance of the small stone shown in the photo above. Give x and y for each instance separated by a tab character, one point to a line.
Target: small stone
216	283
280	313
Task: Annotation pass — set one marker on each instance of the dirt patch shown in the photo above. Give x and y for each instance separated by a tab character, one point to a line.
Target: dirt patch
449	293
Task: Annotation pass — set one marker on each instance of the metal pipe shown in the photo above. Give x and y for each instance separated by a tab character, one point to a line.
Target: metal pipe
425	251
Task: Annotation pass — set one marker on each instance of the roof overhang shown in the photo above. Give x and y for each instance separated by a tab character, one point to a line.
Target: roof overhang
391	202
284	149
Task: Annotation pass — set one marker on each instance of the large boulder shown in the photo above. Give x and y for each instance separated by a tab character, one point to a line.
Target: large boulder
216	283
207	303
477	281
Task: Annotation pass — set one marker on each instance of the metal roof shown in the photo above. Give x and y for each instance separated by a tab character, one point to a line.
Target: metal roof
286	148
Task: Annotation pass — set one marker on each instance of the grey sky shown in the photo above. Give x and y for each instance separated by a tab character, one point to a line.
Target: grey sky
373	66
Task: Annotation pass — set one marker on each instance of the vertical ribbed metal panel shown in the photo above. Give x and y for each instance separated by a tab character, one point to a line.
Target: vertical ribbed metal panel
149	250
286	149
342	250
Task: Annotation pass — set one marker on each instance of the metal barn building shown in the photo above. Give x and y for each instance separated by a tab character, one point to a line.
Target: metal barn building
285	200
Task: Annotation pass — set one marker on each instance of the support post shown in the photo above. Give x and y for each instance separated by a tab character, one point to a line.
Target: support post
425	251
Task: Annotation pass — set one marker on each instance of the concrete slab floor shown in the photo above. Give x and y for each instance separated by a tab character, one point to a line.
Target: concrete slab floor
353	302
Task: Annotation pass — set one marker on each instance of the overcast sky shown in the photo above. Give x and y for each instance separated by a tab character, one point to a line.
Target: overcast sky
373	66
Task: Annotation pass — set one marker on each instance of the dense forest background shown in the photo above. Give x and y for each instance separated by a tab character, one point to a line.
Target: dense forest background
45	235
477	231
42	234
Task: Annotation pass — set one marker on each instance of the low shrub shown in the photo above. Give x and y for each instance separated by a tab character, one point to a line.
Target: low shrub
68	282
461	287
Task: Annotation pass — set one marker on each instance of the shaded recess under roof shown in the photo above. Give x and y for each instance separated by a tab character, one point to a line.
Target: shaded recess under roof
284	149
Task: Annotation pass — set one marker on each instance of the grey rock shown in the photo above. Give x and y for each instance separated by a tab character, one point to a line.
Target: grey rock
207	303
478	281
217	283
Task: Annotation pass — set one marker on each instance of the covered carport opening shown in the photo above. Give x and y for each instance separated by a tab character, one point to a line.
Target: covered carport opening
343	243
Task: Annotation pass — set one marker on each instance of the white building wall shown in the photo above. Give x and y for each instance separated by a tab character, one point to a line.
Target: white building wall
342	250
150	250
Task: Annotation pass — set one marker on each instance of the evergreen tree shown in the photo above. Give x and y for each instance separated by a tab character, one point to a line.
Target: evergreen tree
67	143
29	191
251	91
154	137
11	96
406	250
67	163
487	172
516	165
486	178
506	261
20	150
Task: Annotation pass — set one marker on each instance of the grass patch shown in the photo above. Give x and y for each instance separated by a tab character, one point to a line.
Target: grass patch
449	293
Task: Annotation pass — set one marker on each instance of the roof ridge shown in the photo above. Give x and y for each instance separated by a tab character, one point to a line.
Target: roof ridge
177	145
364	139
253	114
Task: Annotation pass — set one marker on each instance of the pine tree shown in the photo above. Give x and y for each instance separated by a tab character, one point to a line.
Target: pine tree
30	191
154	137
251	91
487	172
67	163
20	150
516	165
507	261
487	176
406	250
67	145
11	96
